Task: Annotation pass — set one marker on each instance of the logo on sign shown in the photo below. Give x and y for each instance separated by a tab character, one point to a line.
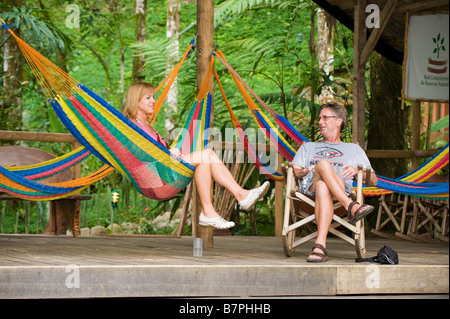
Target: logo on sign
437	66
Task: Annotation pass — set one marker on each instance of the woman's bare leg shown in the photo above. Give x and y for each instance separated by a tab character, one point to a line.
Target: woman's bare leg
209	166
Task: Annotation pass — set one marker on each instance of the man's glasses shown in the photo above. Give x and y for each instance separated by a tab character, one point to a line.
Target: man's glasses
326	117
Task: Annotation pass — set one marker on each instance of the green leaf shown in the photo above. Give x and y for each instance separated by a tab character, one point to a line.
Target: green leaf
439	124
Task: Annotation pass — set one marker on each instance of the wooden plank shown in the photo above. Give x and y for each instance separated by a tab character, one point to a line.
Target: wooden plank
173	281
373	279
35	266
36	136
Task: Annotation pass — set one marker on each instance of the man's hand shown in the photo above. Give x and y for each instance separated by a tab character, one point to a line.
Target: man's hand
349	172
300	172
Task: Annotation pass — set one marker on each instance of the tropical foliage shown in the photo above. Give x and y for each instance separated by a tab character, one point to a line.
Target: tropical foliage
268	42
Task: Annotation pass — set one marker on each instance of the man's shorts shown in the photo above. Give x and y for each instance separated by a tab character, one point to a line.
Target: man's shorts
308	180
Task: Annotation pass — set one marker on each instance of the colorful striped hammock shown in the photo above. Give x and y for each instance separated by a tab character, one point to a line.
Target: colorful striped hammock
110	136
409	184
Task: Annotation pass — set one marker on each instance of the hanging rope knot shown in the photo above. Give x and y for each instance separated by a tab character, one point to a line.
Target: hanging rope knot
6	27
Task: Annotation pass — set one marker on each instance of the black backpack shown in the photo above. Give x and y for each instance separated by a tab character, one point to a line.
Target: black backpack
385	255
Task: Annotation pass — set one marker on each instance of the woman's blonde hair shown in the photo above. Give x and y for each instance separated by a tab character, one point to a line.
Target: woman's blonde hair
134	94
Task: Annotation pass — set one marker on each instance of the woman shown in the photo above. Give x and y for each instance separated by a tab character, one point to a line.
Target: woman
139	105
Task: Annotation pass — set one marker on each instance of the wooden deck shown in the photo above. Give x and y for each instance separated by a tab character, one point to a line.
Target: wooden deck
39	266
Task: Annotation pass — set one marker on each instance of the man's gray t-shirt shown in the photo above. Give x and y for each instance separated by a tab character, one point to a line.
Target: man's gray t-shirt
338	154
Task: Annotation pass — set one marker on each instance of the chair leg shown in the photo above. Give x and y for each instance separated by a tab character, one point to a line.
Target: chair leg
288	240
288	237
290	224
360	240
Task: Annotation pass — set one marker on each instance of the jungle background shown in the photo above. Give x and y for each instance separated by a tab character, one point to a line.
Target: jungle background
291	53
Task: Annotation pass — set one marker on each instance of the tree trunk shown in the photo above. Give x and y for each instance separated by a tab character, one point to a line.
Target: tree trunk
325	54
312	52
140	10
173	31
388	125
11	105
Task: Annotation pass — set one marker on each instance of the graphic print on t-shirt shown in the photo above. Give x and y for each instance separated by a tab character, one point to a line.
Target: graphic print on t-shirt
329	152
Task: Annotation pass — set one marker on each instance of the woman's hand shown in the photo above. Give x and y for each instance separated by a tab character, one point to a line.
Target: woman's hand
175	152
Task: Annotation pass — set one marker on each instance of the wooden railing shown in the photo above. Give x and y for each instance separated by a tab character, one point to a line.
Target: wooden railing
44	137
279	197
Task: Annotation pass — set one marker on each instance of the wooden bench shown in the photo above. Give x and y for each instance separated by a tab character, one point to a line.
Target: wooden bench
64	213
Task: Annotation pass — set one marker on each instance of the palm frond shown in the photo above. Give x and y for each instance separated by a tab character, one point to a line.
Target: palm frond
234	7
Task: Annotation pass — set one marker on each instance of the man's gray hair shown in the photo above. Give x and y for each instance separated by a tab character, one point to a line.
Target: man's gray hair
338	110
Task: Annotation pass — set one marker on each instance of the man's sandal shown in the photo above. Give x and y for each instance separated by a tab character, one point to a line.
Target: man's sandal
353	218
322	257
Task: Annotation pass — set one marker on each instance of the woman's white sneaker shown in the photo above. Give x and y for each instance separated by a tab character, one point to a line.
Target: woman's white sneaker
255	195
217	222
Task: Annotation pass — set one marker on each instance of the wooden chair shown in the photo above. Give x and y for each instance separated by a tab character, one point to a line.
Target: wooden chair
299	212
393	209
415	219
429	221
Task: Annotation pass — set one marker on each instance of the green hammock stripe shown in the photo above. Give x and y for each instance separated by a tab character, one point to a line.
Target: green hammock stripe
32	193
184	131
196	133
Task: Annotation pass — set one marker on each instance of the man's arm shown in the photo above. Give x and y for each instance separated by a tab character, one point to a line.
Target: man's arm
300	172
373	179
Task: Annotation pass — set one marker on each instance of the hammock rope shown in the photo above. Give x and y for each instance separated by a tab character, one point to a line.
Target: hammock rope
109	135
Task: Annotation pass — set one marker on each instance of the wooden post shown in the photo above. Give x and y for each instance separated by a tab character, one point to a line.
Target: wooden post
205	39
361	52
359	79
279	199
205	47
415	142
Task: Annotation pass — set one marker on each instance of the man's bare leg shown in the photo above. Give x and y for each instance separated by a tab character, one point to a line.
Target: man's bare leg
324	201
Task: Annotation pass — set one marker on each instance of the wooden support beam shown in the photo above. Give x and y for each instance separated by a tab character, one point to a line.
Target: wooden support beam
205	39
361	51
415	142
385	15
279	199
359	79
36	136
205	46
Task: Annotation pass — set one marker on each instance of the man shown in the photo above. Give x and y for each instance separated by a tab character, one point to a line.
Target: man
327	169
